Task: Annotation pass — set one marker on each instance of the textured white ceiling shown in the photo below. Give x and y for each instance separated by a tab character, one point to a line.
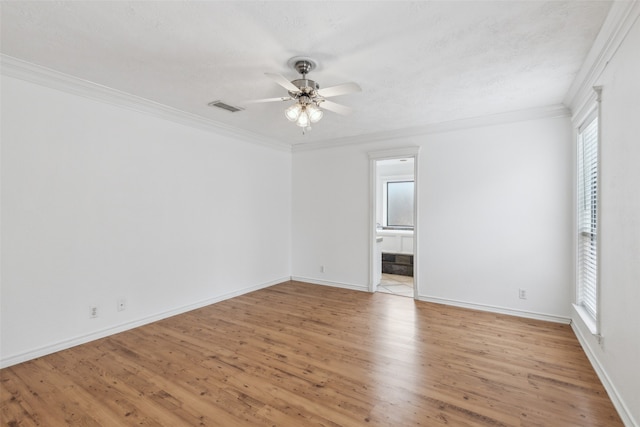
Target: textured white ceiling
418	63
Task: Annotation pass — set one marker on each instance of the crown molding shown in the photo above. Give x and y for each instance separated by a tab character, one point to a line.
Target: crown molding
43	76
552	111
621	17
23	70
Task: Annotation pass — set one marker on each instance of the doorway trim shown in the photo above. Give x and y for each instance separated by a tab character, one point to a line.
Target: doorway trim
374	156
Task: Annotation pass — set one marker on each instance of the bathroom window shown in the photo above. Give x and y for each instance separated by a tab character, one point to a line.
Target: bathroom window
400	204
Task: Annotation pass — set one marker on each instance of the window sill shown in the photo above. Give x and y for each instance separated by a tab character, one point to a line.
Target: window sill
589	321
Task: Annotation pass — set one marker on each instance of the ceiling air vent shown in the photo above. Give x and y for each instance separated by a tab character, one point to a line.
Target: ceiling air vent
224	106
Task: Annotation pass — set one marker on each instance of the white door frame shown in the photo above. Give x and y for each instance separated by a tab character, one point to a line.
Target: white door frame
374	156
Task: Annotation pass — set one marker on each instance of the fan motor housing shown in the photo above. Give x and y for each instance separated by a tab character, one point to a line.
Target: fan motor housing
306	86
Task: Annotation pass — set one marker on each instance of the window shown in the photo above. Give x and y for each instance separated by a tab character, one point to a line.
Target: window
400	204
587	211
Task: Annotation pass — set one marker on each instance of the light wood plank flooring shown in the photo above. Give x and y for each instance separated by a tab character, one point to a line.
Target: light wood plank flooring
297	354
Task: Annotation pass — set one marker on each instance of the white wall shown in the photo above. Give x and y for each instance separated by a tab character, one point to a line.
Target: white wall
616	357
495	216
330	223
101	202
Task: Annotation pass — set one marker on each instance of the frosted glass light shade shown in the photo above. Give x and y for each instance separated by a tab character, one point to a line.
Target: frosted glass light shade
303	120
292	113
315	114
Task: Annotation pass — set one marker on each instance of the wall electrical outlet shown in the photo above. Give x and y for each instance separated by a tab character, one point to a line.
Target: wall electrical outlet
122	304
522	293
93	312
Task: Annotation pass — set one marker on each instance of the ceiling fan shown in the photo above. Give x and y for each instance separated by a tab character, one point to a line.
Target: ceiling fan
309	99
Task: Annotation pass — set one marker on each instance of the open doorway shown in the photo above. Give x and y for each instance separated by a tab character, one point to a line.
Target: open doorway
394	222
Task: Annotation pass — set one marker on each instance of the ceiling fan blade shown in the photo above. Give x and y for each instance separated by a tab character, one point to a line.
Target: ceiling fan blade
336	108
258	101
282	81
342	89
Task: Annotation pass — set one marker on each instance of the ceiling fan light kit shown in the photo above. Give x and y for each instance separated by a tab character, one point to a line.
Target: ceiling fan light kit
309	98
303	112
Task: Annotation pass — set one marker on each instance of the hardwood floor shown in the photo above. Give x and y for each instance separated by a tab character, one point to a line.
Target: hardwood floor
297	354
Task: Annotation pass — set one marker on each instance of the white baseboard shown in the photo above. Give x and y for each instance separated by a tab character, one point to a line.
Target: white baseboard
618	403
496	309
63	345
481	307
329	283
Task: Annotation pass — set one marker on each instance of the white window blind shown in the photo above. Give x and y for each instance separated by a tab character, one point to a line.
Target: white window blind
587	216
